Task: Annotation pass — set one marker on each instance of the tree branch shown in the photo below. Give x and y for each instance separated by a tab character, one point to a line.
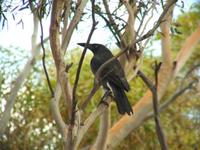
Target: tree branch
90	120
100	143
20	79
109	26
101	140
126	124
56	112
62	79
153	89
44	54
92	92
94	23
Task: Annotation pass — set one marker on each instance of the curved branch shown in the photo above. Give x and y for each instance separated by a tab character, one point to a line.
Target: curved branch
100	143
20	79
56	112
44	55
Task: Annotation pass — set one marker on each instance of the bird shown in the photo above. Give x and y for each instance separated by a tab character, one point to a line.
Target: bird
112	76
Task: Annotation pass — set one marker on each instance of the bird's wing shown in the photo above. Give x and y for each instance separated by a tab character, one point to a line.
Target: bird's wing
120	82
116	76
112	73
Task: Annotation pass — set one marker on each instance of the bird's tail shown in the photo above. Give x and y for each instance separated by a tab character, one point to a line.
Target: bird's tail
121	100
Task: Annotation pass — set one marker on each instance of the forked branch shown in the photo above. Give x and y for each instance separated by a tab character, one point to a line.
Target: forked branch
153	89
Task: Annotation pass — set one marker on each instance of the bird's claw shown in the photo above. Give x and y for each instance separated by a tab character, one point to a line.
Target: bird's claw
103	102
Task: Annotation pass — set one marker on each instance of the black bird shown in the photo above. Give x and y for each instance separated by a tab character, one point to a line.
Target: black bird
112	76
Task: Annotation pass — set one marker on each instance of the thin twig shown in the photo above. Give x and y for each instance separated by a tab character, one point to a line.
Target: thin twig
159	130
153	89
171	99
43	57
67	7
176	95
141	22
146	23
113	24
188	73
93	91
94	23
181	88
110	27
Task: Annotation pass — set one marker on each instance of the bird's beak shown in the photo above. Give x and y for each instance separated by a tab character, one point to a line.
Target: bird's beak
82	44
89	46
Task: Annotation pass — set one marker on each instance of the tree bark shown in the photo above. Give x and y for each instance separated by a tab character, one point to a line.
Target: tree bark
100	143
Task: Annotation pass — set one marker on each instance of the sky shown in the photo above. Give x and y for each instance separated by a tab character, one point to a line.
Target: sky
20	36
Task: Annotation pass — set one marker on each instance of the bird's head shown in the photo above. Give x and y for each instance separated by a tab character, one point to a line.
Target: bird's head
93	47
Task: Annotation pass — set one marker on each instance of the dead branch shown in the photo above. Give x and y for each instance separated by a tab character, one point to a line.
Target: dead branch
44	55
178	92
153	89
